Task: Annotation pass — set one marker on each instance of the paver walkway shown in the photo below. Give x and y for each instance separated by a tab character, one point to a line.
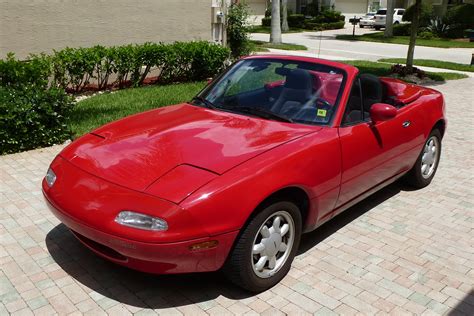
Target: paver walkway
400	251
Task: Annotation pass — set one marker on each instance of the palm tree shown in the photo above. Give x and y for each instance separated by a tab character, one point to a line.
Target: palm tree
275	34
414	29
284	15
389	19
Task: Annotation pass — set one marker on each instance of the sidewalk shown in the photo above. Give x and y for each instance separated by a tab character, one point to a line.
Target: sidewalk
314	53
343	49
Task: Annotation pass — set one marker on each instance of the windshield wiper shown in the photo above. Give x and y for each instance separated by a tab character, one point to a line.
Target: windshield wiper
206	102
262	112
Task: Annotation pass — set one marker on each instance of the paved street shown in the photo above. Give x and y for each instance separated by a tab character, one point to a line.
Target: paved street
400	251
330	48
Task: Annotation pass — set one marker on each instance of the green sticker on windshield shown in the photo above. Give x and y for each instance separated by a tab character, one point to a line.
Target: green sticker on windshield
321	112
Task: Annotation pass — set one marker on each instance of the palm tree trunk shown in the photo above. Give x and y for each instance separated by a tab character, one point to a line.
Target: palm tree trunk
284	15
389	19
414	29
275	34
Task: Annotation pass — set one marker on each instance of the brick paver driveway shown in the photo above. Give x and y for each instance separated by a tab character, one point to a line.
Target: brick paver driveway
400	251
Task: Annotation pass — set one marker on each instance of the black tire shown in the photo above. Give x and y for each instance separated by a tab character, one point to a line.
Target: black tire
377	28
361	26
239	265
415	177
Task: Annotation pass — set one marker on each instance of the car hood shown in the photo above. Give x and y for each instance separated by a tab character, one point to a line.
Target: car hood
136	151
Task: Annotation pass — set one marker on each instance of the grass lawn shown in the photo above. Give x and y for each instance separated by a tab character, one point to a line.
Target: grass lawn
266	29
98	110
383	69
261	46
435	42
431	63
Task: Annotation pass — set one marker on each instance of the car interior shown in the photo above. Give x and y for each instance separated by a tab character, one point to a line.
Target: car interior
307	93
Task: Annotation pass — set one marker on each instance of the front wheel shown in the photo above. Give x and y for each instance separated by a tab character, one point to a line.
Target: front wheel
266	247
426	165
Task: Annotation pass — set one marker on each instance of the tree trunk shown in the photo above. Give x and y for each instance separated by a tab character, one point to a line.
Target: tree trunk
414	29
284	15
275	34
319	5
389	19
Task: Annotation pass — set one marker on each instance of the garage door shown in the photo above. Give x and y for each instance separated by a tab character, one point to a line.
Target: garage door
348	7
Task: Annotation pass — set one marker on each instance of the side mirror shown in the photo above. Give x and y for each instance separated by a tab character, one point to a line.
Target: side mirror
382	112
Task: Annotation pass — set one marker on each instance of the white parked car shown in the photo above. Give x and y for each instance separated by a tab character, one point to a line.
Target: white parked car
381	15
367	20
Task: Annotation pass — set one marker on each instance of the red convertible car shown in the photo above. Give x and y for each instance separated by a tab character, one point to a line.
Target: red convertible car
272	148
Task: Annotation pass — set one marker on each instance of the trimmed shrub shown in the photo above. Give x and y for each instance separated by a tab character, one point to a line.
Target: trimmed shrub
404	71
402	29
34	105
324	26
459	18
425	17
32	117
15	73
238	30
296	20
266	21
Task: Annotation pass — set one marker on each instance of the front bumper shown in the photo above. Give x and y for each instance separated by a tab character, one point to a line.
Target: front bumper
149	257
87	205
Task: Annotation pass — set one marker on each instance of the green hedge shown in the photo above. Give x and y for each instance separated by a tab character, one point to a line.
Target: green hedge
266	21
75	68
34	105
325	20
296	20
324	26
32	117
402	29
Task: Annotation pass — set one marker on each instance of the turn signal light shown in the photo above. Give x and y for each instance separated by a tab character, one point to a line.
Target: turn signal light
204	245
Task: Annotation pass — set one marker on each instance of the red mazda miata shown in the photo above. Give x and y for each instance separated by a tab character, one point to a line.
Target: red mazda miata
272	148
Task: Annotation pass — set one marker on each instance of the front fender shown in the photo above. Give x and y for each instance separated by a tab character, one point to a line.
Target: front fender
312	163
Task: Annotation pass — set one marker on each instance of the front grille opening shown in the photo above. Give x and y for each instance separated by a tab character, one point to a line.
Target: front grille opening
102	249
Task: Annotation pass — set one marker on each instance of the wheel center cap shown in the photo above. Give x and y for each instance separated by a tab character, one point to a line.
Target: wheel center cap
272	244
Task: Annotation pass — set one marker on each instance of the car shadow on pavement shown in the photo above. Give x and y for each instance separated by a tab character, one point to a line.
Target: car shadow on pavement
143	290
464	307
310	240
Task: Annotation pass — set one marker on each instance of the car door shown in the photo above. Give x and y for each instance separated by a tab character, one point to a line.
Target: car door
372	153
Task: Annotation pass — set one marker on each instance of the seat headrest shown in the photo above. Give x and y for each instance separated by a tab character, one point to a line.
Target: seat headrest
299	79
371	87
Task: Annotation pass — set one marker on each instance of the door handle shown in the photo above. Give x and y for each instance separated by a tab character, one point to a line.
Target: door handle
406	124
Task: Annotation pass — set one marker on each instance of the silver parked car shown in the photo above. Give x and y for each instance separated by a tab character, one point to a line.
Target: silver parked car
367	20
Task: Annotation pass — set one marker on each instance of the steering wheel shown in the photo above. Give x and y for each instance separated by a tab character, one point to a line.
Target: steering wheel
322	103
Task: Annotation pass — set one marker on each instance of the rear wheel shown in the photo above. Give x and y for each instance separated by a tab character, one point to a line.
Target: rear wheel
361	26
426	165
377	28
266	247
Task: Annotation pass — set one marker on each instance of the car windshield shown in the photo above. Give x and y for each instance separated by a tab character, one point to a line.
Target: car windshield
277	89
382	12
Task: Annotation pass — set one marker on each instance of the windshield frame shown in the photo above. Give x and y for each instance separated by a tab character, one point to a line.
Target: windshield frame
218	80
